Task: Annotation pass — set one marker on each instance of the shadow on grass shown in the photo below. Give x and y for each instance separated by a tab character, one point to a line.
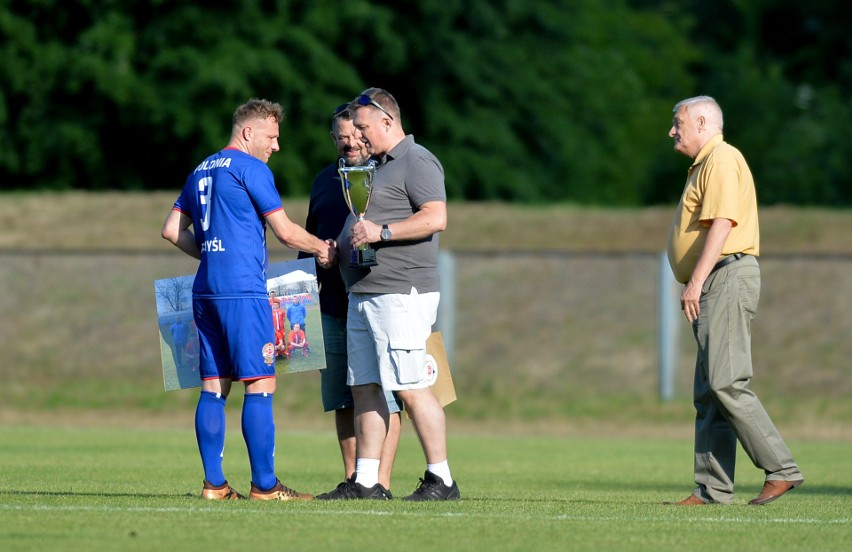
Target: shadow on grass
678	492
71	494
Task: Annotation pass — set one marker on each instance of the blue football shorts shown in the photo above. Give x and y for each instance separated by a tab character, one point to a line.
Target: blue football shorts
236	338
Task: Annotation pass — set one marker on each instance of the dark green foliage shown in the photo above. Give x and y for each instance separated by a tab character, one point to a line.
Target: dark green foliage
522	100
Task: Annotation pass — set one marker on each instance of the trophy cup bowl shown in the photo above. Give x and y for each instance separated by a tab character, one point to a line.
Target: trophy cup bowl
357	183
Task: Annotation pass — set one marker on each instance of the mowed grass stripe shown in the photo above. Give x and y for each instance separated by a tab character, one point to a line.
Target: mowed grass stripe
380	513
93	489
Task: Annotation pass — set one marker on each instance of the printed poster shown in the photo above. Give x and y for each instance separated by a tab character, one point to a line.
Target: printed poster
293	293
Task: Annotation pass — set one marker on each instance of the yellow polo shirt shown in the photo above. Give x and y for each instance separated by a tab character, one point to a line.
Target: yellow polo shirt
719	185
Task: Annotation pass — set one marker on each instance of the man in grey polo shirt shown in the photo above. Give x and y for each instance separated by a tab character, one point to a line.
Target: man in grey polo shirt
393	305
327	214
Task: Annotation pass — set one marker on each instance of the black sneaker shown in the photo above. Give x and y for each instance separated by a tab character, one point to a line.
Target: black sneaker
432	487
349	489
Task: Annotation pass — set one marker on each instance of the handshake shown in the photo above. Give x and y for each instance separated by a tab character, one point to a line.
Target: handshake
327	256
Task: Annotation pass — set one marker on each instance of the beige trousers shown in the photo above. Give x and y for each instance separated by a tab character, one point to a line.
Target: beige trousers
726	408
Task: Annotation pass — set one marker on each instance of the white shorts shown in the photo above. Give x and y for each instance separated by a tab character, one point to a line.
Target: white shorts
386	338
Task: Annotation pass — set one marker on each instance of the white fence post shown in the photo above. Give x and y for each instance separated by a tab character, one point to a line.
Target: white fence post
668	316
447	307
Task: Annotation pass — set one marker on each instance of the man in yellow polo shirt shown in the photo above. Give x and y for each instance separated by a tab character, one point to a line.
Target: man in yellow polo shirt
713	248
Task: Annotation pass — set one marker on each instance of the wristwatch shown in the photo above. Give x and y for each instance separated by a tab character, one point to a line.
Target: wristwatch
386	233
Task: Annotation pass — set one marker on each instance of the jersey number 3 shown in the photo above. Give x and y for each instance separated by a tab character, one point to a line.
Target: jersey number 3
205	190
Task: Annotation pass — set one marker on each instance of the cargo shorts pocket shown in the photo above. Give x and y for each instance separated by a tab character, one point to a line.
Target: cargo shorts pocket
409	360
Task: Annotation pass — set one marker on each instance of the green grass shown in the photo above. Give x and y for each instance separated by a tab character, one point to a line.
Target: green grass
136	489
78	344
78	336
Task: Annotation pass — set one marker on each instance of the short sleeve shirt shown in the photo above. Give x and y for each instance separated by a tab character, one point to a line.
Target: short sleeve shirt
180	332
228	197
409	176
719	185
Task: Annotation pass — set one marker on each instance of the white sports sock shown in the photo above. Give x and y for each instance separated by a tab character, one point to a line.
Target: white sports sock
367	471
442	470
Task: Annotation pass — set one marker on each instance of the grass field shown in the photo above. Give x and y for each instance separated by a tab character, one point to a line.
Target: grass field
101	489
583	280
563	445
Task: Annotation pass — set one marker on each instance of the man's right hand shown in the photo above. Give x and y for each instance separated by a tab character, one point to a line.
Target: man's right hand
327	256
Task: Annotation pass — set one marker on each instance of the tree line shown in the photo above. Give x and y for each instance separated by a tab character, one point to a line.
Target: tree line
526	101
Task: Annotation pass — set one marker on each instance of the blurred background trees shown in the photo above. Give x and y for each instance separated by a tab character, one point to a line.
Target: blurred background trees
522	100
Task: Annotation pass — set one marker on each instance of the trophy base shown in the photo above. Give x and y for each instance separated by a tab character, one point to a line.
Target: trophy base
362	258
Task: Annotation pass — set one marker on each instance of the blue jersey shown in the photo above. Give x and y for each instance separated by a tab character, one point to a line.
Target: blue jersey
227	196
297	314
180	332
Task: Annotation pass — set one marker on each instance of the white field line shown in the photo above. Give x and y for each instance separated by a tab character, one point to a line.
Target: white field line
460	515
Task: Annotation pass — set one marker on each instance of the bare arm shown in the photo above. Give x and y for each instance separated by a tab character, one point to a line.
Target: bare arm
430	219
176	230
716	237
295	237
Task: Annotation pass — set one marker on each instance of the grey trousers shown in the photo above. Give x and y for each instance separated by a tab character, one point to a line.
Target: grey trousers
726	408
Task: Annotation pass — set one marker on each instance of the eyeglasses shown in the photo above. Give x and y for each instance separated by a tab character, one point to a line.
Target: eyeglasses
340	109
364	99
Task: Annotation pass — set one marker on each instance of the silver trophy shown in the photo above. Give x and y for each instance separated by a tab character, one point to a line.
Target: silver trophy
357	182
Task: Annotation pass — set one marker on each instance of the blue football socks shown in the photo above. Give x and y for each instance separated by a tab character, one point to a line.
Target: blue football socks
259	433
210	434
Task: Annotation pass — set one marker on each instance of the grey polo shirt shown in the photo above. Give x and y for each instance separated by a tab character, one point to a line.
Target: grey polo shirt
409	176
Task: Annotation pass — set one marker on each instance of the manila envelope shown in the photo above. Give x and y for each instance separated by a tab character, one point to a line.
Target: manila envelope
443	387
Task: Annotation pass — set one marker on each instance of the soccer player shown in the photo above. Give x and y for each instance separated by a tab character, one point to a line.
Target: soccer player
180	337
228	201
298	340
279	323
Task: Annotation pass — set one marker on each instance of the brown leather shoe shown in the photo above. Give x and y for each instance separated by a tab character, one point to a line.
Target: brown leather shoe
772	490
691	500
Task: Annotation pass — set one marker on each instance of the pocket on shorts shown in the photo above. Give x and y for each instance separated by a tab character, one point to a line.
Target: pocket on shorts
409	359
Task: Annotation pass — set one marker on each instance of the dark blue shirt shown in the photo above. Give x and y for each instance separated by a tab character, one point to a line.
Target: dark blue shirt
327	213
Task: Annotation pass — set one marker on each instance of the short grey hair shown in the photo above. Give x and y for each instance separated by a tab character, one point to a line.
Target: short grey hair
710	105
